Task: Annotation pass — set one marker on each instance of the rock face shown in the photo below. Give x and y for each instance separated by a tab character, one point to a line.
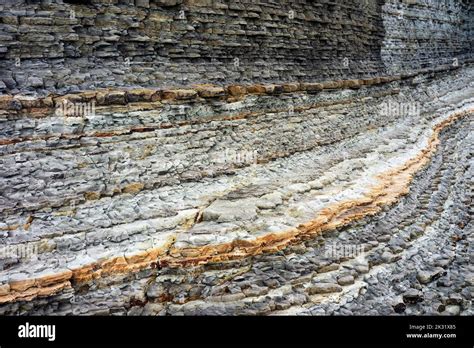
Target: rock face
216	158
62	47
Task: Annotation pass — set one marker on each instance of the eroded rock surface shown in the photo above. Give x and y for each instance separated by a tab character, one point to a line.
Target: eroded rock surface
326	191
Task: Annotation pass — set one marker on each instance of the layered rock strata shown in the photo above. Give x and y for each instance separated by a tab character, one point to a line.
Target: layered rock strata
51	46
168	207
309	191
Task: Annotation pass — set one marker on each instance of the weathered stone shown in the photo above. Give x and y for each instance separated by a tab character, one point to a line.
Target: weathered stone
179	94
4	289
454	299
426	277
290	87
452	310
312	86
412	296
210	91
323	288
258	89
236	90
166	3
305	171
345	280
142	95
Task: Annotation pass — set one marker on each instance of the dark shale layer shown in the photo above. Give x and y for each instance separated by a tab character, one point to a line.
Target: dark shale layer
169	157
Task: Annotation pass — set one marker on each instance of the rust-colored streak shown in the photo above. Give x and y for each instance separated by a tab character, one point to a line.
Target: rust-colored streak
176	124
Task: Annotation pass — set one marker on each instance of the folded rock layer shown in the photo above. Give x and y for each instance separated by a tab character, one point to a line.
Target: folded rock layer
315	189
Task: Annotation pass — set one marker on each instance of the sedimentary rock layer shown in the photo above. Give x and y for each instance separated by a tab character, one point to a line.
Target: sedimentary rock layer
147	223
53	46
208	157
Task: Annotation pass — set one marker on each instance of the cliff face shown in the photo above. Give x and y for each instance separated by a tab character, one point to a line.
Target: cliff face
68	47
247	158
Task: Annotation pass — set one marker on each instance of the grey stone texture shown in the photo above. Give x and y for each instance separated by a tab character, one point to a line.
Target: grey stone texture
152	204
60	47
